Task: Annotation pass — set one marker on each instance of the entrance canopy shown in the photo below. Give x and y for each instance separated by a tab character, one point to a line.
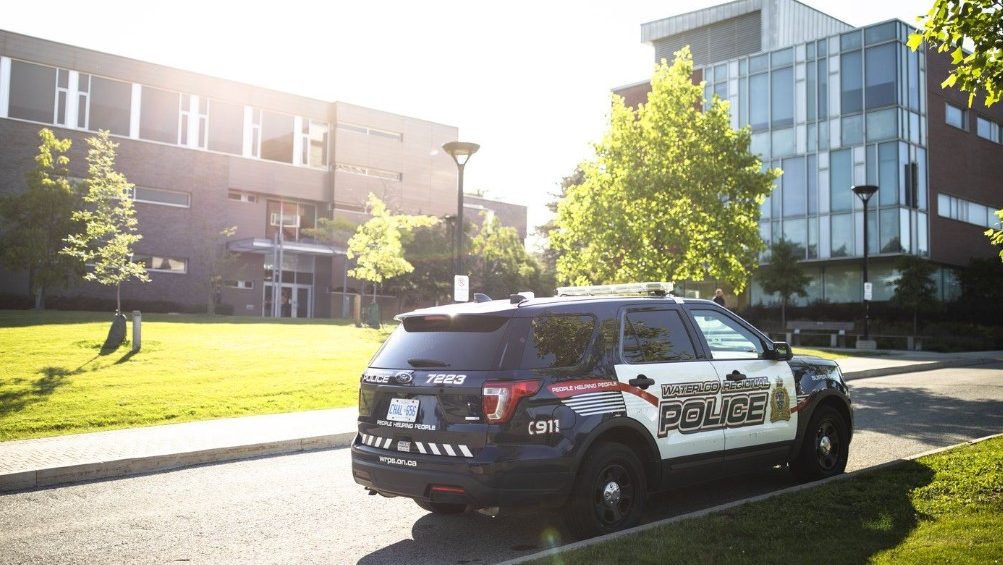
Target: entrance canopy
267	246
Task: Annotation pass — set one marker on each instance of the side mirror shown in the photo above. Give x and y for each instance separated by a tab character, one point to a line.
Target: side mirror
780	351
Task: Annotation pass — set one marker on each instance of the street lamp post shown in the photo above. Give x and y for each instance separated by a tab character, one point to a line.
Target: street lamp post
461	152
865	192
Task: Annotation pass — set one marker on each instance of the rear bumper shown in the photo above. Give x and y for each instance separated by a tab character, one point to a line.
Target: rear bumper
498	476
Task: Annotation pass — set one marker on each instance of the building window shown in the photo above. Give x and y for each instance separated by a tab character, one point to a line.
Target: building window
162	197
369	172
782	99
290	218
850	79
161	264
888	174
880	76
823	87
62	96
83	99
226	127
238	196
987	129
32	92
314	144
840	181
955	116
759	102
795	187
111	105
276	137
243	285
966	211
193	107
158	117
346	126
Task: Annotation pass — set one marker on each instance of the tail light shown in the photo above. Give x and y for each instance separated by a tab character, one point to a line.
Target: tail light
501	397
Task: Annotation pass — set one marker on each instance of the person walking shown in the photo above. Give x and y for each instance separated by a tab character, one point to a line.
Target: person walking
719	297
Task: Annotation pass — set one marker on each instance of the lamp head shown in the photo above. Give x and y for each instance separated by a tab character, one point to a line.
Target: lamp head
864	191
460	151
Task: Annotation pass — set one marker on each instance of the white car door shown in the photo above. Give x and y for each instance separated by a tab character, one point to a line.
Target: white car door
757	393
671	390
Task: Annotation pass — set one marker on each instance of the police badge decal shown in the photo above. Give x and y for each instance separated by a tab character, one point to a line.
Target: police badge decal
780	408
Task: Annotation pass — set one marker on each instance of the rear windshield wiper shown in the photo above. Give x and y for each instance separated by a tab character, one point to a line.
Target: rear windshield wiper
420	362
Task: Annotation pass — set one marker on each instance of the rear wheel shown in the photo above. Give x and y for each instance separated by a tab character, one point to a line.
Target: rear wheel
609	492
441	507
825	448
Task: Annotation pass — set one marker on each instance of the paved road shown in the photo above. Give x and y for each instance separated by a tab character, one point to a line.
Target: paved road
306	509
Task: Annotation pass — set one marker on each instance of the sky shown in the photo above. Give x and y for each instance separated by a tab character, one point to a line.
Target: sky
529	81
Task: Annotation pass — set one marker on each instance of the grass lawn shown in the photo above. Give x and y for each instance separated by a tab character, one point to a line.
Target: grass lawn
54	379
943	508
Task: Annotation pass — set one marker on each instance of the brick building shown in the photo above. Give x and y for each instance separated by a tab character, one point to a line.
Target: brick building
207	153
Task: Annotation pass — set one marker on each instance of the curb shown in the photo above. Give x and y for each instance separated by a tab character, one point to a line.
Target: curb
700	513
93	471
916	368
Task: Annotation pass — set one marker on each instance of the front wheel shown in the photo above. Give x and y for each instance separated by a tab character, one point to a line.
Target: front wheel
825	448
441	507
609	492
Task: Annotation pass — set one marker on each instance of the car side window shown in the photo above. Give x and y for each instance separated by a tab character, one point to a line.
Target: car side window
727	338
656	336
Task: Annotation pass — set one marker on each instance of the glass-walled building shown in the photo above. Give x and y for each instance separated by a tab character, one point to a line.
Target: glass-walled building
835	106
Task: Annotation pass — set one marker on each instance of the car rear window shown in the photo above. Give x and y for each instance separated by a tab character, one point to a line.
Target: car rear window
470	343
557	341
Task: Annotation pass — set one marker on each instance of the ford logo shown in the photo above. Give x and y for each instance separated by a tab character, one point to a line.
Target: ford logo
404	378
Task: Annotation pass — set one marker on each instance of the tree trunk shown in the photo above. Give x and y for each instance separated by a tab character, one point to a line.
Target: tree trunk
40	298
915	323
118	298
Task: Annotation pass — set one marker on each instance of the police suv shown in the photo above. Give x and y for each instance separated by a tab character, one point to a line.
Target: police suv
590	401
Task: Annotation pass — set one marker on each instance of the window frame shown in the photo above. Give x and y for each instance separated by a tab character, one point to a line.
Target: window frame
152	256
156	203
764	341
699	352
964	116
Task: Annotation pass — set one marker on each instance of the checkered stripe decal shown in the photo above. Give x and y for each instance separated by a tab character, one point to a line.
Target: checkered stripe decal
425	448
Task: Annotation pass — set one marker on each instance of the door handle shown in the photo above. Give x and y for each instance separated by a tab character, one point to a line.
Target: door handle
641	382
735	376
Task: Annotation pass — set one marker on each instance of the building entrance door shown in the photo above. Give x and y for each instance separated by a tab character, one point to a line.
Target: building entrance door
294	300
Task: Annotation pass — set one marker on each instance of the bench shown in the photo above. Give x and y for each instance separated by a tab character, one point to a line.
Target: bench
835	330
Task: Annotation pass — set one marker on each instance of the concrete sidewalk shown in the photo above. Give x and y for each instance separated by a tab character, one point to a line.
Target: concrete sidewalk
39	463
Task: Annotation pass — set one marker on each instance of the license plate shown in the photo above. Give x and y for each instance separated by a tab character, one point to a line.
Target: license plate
403	410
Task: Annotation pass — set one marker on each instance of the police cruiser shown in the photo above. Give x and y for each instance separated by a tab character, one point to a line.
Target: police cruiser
589	401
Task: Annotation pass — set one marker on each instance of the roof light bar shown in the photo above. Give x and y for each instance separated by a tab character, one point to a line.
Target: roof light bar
628	289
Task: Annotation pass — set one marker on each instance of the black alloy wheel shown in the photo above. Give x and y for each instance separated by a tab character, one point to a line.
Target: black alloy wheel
825	450
609	492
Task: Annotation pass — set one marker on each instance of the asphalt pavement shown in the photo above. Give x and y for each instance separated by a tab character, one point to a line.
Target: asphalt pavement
62	460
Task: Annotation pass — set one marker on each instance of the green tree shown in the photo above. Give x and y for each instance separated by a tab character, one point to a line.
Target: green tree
377	245
914	288
783	274
500	264
218	260
996	236
672	194
108	220
36	221
429	250
946	27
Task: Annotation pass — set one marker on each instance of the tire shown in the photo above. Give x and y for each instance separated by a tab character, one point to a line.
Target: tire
442	508
825	447
609	492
